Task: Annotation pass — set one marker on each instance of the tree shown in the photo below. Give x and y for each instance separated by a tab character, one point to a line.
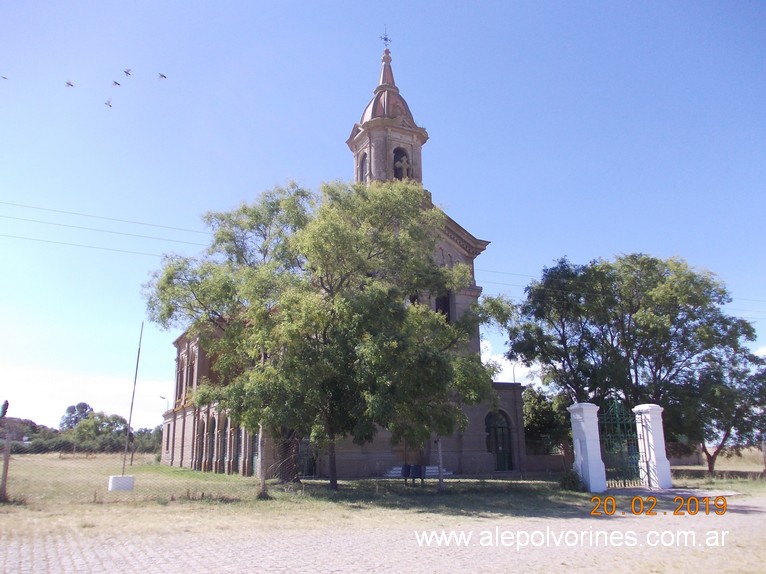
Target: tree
148	440
630	328
546	420
723	408
325	327
661	322
553	328
228	296
644	330
74	414
99	432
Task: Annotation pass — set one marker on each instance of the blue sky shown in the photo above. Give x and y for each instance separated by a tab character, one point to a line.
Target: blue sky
585	129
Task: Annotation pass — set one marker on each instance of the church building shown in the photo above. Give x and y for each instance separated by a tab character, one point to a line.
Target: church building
386	144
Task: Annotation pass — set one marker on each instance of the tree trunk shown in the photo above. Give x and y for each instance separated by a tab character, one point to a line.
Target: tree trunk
711	458
567	453
333	468
441	466
287	468
261	468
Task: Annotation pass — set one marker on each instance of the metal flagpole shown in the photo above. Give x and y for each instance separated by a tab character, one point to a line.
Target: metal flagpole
132	399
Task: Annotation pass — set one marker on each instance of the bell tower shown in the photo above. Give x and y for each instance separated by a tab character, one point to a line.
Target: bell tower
386	142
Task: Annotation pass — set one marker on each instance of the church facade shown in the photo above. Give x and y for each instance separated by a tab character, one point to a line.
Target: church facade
386	144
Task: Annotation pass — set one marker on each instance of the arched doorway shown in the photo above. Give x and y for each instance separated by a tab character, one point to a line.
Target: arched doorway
200	446
223	454
499	439
211	446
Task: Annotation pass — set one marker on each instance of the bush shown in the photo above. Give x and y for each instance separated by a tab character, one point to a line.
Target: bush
570	480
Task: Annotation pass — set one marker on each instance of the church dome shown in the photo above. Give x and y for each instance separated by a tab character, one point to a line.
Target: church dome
386	101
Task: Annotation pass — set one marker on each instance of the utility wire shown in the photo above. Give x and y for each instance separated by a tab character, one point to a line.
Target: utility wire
81	245
105	218
101	230
80	214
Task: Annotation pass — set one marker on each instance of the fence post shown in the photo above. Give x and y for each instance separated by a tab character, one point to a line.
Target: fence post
655	467
6	455
587	447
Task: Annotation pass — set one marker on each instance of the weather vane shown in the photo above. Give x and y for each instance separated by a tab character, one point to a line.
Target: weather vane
385	37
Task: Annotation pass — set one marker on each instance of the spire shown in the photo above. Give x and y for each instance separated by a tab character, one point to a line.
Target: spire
386	142
386	73
386	101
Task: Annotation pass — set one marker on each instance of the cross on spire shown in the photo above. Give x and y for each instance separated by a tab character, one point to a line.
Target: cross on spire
386	39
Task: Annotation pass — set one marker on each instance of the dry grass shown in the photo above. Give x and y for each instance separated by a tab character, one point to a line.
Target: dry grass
63	505
749	460
52	491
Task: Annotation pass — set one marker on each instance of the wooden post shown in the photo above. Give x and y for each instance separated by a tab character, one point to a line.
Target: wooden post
6	456
6	462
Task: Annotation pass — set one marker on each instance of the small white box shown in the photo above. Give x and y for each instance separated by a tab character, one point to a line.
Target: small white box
120	483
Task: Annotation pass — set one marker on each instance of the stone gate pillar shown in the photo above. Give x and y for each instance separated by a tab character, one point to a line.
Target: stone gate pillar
588	463
653	461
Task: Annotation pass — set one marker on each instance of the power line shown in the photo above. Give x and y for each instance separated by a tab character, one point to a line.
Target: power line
101	230
80	245
105	218
93	216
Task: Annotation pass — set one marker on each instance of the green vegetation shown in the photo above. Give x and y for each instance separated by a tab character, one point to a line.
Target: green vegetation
322	316
82	430
646	330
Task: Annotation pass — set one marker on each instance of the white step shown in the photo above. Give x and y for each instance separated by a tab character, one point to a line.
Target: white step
431	472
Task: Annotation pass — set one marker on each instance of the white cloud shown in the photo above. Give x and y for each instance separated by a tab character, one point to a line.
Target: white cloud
761	351
43	394
510	372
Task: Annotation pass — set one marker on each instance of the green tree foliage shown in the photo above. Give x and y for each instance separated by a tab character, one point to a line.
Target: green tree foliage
74	414
722	408
317	311
645	330
546	420
148	440
99	432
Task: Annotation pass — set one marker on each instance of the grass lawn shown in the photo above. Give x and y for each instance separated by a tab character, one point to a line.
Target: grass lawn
50	490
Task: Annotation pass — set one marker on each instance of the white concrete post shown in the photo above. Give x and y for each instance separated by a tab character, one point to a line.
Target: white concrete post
588	463
655	467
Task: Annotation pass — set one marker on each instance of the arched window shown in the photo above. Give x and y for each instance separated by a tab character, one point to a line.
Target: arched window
498	428
362	178
402	167
443	305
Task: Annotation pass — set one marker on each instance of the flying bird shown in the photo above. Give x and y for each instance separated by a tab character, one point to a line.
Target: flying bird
127	72
108	102
163	77
3	77
69	84
115	83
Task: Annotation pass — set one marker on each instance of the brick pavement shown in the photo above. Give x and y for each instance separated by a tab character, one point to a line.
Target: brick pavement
357	547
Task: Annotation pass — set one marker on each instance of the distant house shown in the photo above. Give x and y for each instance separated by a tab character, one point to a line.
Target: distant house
386	144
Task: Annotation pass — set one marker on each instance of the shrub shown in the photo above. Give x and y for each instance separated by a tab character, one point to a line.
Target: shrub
570	480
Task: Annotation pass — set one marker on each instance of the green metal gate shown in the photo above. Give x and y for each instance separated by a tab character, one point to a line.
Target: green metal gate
619	445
